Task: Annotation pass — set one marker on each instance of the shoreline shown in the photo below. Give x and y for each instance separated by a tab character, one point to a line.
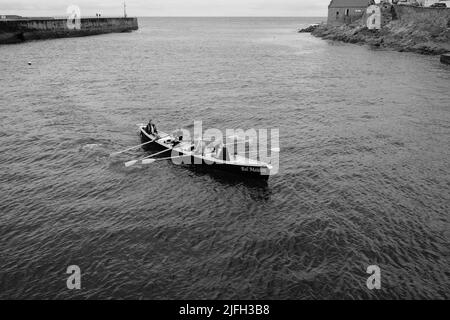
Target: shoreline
407	30
384	38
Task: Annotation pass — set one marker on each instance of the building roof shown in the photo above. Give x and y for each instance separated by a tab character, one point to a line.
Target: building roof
350	3
8	16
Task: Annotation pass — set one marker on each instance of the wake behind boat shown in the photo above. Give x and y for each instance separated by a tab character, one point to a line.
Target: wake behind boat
198	154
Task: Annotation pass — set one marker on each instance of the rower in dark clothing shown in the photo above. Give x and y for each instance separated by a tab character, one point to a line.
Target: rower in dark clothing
177	141
151	128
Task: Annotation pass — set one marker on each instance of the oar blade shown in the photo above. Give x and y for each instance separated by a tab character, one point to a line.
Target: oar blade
148	161
132	148
130	163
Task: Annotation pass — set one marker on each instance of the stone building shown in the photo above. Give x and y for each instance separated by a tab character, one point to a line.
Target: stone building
427	3
347	11
3	17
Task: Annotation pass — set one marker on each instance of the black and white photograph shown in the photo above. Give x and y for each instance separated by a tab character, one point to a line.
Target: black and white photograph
225	155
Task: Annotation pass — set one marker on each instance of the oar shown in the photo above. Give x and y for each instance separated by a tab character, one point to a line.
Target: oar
150	161
133	162
207	140
132	148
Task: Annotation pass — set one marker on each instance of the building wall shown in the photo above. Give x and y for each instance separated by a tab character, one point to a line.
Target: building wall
13	31
426	15
427	3
407	2
344	18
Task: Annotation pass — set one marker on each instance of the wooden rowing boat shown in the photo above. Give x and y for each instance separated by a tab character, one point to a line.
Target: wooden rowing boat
208	158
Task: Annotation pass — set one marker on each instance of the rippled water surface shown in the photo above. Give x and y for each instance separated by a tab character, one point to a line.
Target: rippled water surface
365	166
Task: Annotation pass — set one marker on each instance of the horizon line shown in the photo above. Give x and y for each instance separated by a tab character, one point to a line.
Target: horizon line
174	16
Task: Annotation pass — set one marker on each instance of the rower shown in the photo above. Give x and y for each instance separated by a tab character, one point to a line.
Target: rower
177	141
151	128
223	154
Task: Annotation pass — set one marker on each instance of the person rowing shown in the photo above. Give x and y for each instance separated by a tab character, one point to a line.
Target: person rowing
151	129
177	141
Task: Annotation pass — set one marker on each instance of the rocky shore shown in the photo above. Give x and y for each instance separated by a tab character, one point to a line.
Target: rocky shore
421	33
394	35
309	29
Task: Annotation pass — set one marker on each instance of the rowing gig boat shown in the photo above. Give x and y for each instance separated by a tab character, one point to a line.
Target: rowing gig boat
209	159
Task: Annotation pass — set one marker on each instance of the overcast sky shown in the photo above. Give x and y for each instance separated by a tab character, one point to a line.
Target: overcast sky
290	8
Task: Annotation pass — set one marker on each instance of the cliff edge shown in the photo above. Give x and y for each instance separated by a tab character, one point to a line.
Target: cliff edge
404	28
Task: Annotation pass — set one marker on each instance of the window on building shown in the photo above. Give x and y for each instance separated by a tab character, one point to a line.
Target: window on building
347	12
337	14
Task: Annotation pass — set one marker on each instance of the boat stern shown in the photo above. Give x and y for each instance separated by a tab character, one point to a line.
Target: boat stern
267	170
